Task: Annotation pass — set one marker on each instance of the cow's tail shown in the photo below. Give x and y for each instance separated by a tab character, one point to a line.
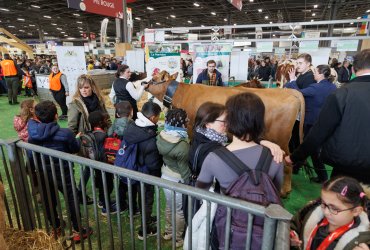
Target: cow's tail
302	113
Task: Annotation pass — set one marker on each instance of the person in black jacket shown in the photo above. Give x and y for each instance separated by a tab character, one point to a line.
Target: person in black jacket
342	128
124	90
344	73
210	76
264	72
143	133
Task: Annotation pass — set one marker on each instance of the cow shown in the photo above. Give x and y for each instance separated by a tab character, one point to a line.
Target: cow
254	83
282	108
282	72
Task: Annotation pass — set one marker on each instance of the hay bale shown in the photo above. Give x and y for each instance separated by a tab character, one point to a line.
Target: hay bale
31	240
3	244
109	104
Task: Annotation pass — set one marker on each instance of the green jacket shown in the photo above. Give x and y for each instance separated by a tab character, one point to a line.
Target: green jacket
175	152
308	217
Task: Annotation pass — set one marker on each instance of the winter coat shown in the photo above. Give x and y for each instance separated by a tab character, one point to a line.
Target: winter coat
344	75
308	217
204	77
314	96
342	129
208	146
21	127
119	126
78	116
144	132
51	136
175	154
304	80
264	73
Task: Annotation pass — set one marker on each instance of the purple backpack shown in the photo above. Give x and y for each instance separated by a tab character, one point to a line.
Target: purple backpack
252	185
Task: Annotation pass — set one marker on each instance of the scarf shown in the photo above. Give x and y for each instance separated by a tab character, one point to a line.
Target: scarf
175	131
91	102
213	135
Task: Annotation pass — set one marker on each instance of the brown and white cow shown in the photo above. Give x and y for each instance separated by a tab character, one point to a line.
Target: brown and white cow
282	108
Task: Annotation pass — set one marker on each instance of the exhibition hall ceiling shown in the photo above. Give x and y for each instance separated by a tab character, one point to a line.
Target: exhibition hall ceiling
27	18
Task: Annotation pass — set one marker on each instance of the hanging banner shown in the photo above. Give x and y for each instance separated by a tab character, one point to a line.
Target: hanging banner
71	62
163	57
347	45
364	26
220	53
264	46
237	3
112	8
308	46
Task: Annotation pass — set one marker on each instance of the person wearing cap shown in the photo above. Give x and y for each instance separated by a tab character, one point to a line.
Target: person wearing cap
58	86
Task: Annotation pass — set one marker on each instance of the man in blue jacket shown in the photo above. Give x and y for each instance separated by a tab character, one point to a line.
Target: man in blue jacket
45	131
210	76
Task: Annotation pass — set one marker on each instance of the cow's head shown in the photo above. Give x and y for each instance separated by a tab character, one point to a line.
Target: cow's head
158	84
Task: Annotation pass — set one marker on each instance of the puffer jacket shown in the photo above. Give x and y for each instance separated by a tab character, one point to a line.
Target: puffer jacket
307	218
175	154
21	127
143	132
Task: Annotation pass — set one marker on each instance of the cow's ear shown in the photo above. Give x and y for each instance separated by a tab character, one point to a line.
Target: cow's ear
174	76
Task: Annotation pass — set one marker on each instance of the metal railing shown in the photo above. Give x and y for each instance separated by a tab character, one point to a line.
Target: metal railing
23	180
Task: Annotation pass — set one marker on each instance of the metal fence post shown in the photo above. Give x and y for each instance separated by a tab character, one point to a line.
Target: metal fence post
21	185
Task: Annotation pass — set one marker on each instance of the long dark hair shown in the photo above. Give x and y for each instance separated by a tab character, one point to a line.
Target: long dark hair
121	69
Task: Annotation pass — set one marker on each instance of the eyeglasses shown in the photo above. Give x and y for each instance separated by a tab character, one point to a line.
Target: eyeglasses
332	209
223	121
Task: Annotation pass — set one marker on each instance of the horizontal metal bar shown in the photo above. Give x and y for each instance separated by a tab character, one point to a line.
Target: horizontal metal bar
178	187
315	23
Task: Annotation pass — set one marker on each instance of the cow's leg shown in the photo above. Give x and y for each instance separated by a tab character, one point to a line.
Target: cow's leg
287	183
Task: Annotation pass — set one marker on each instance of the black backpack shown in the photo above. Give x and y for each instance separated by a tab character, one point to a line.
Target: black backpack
253	185
89	147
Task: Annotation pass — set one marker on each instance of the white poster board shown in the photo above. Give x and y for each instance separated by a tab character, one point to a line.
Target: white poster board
264	46
71	62
347	45
239	65
163	58
135	59
220	53
321	56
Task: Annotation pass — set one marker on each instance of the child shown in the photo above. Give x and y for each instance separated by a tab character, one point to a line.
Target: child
27	82
45	131
20	121
99	124
336	221
143	133
173	145
124	114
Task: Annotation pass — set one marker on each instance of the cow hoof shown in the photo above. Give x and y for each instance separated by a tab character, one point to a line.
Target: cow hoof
285	195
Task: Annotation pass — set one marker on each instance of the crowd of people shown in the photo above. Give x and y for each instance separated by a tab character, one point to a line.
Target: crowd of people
335	130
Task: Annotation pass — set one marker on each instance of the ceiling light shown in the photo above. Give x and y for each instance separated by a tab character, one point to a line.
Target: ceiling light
259	10
270	22
315	6
79	22
173	16
225	19
11	26
213	13
80	31
30	34
251	1
266	17
351	23
367	11
49	17
70	38
76	14
80	28
21	30
59	29
234	24
35	6
4	9
196	4
65	35
189	21
54	24
20	19
312	20
158	23
313	14
45	33
137	18
273	35
202	25
63	32
149	8
31	25
359	17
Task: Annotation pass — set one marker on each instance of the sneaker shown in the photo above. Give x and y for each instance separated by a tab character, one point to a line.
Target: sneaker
86	232
179	243
167	236
150	231
100	204
89	200
112	210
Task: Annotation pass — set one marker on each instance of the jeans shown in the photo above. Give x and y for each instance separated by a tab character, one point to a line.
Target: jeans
12	83
99	184
180	220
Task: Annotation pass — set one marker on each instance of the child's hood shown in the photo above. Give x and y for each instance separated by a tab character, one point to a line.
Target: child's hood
166	142
142	121
41	131
136	134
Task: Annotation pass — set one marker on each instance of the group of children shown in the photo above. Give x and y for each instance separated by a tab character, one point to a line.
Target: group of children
338	220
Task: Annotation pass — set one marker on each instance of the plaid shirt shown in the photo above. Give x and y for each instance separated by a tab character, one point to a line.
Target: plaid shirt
212	79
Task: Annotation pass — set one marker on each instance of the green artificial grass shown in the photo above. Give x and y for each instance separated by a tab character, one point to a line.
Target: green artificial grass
302	192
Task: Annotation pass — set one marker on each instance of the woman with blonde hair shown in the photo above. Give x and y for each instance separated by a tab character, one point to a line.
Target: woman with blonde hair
86	99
